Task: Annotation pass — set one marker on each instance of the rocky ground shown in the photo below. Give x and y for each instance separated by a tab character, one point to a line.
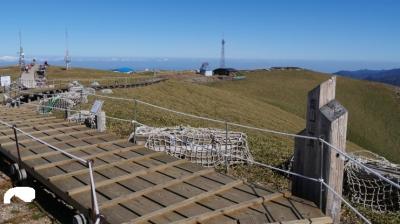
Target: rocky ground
18	211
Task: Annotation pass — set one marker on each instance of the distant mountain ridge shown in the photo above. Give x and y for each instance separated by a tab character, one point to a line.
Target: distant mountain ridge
391	76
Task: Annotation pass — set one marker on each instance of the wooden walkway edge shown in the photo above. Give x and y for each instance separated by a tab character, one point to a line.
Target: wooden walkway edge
137	185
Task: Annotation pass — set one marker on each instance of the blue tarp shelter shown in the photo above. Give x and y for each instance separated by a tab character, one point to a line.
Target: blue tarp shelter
124	70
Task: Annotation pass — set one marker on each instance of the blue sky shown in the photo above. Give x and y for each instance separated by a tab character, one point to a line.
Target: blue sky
280	29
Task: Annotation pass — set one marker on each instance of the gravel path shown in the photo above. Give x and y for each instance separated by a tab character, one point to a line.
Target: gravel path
18	211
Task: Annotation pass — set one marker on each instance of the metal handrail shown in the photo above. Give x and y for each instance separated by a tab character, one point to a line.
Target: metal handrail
96	217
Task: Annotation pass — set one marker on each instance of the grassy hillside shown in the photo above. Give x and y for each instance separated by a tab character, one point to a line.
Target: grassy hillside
273	100
214	103
374	109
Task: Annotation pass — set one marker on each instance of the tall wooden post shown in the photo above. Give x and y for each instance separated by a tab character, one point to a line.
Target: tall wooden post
326	119
101	121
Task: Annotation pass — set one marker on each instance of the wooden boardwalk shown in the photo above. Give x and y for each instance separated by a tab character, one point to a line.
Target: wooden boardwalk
137	185
34	94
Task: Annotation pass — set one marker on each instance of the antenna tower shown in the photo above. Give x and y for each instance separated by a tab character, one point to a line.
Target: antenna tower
21	61
222	62
67	58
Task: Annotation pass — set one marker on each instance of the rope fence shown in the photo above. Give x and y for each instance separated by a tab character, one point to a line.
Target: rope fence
331	147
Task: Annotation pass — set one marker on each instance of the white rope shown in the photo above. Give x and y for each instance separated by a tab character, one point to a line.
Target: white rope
252	162
79	111
273	168
45	143
57	108
209	119
273	132
259	129
311	179
254	128
119	119
346	202
360	164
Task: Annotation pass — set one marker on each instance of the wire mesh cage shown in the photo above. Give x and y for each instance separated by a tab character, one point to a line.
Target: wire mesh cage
206	146
366	189
77	94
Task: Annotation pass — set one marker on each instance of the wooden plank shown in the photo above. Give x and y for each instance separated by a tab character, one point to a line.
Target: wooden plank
27	126
319	220
186	202
49	137
127	176
303	208
66	161
37	132
118	214
18	123
225	211
47	125
55	142
104	166
69	142
17	113
54	152
154	188
189	211
245	215
19	110
39	118
10	118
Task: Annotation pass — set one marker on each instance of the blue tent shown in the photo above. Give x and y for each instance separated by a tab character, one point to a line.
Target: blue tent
124	70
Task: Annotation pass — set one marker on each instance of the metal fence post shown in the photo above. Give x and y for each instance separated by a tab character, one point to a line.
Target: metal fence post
321	147
14	127
95	208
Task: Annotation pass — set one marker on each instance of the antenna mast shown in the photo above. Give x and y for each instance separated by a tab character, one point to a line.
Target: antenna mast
222	62
21	61
67	58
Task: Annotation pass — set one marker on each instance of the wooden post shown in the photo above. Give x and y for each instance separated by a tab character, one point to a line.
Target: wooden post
326	119
101	121
334	130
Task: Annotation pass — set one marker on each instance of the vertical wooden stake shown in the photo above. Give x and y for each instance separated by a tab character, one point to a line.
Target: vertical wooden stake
334	124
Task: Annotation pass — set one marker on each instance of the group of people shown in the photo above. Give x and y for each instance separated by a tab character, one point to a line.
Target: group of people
41	67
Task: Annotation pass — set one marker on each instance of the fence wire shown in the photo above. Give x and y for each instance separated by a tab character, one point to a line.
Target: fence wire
356	166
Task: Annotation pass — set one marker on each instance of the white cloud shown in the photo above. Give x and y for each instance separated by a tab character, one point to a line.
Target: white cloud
8	58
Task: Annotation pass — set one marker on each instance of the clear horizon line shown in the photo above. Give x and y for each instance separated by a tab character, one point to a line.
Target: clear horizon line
60	57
